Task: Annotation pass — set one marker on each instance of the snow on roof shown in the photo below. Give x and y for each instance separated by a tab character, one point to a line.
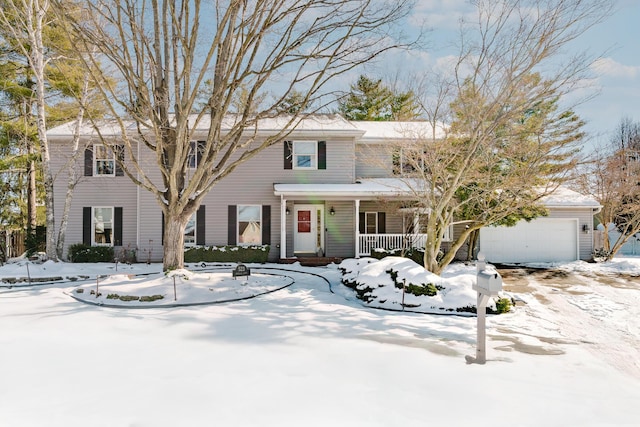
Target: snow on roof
565	197
107	128
364	188
317	123
378	131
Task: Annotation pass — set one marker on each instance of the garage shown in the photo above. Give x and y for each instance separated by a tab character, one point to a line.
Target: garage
540	240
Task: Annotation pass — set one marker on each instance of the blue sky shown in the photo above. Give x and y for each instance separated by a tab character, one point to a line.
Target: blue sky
616	40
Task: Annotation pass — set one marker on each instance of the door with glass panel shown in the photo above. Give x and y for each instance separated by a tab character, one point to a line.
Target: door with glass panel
308	236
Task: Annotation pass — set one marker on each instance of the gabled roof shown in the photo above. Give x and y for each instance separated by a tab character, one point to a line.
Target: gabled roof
565	197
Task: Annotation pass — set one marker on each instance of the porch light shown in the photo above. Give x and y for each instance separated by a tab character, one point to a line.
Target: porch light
585	228
287	211
332	211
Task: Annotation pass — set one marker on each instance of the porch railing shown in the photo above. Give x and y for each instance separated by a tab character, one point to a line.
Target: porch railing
369	242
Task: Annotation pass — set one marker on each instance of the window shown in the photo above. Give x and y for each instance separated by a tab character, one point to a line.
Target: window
102	226
104	160
310	155
195	153
305	155
371	222
190	231
249	224
405	161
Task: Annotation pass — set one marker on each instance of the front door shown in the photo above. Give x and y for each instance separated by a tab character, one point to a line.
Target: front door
308	234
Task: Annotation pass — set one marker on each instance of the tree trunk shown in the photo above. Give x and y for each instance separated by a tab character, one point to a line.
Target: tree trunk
432	246
473	240
35	30
73	175
173	255
32	218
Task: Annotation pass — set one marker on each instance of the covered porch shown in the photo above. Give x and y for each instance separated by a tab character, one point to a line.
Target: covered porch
345	220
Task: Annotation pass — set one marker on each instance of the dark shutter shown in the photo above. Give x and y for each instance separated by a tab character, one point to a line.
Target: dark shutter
382	226
232	234
119	153
86	225
322	155
88	161
162	228
288	155
117	226
362	223
199	151
266	225
200	225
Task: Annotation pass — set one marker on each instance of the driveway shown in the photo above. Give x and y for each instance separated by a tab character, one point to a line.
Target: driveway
600	312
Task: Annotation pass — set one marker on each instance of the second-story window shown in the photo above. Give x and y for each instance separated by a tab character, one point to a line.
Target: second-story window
195	153
104	161
305	155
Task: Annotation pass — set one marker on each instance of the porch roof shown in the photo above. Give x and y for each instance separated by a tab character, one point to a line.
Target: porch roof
362	189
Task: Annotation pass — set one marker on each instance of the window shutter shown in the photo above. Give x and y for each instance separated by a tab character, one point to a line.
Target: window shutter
199	150
86	225
200	225
362	223
119	153
322	154
88	161
382	226
288	155
162	230
117	226
232	234
266	224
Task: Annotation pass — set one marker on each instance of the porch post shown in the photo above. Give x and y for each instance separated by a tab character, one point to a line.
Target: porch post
283	227
357	233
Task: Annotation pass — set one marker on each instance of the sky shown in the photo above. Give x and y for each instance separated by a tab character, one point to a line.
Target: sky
616	85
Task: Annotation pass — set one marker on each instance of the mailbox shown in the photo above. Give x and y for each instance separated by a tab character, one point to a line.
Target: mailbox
488	282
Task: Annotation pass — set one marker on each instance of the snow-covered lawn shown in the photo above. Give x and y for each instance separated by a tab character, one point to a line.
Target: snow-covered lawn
304	355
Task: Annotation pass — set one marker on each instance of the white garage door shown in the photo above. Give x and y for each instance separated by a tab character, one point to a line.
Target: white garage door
540	240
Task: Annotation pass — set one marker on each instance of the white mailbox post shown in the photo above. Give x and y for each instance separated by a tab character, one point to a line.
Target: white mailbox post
488	283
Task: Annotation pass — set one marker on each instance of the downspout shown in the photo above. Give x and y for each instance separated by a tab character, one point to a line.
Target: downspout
283	227
357	231
138	204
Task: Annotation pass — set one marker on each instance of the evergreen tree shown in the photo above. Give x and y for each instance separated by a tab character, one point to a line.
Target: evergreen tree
371	100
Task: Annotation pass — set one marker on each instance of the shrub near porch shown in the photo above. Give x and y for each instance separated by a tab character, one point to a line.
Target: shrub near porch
379	283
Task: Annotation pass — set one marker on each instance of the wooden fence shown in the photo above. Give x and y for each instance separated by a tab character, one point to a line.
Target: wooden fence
11	244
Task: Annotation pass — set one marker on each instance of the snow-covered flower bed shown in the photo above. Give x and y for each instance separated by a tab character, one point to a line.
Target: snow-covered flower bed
177	287
399	283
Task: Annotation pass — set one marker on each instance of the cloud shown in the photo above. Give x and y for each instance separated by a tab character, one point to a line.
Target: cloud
608	67
441	14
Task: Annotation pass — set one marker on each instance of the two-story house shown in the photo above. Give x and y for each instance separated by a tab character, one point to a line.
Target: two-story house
328	190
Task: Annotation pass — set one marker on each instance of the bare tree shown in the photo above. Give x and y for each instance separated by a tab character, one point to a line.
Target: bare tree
613	178
507	142
164	50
